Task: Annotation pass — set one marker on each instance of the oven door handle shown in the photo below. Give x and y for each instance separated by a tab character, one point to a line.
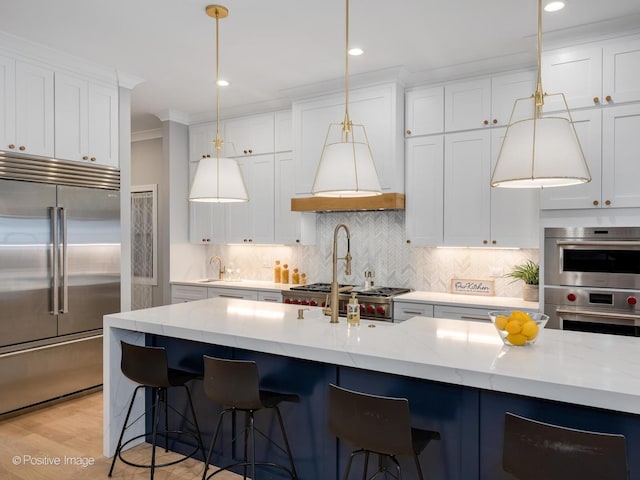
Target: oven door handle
615	316
601	243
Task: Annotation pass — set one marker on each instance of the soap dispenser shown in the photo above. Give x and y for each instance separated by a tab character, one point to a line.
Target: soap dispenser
353	310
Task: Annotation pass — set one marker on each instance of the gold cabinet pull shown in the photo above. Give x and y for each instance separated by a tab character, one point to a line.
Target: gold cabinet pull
408	132
595	203
608	98
12	146
607	202
596	100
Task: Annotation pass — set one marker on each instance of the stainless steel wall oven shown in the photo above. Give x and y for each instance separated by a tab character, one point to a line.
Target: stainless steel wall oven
592	279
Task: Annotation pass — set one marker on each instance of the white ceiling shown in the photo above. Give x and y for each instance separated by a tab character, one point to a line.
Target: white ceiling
269	51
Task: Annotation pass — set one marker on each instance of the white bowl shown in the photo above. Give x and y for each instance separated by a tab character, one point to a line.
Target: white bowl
512	326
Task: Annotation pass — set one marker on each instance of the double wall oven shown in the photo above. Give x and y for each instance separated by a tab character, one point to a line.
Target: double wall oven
592	279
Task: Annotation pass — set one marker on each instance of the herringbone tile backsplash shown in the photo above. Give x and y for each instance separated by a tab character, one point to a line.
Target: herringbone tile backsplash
378	244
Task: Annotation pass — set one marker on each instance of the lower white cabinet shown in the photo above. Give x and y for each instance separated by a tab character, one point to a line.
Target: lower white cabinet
405	310
187	293
475	314
273	296
240	293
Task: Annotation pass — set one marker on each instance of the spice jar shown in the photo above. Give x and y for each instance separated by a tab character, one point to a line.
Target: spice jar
277	272
295	277
303	278
284	274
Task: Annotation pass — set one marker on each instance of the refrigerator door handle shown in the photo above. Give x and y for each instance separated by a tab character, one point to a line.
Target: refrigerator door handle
65	263
55	277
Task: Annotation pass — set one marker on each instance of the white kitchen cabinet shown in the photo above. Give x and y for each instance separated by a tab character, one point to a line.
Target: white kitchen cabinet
252	222
207	221
424	111
291	228
593	74
379	108
27	108
405	310
201	140
610	141
86	120
240	293
424	210
250	135
283	131
187	293
475	314
269	296
485	102
475	214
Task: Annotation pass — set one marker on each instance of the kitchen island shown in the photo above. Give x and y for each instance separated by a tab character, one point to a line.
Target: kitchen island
458	376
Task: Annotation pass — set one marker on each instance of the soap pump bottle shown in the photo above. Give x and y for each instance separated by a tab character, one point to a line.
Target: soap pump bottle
277	278
353	310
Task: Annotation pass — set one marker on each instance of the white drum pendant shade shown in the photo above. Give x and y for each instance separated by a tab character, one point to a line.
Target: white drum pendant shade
218	180
346	167
540	152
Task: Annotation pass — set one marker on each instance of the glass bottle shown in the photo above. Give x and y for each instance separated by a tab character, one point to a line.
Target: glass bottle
284	274
303	278
295	277
277	272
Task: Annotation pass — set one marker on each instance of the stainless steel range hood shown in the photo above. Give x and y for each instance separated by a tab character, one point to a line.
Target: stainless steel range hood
386	201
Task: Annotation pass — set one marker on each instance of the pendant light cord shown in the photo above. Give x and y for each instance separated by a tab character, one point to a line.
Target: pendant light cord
218	144
539	96
346	127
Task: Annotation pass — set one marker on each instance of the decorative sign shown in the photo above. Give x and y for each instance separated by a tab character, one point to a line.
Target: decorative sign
469	286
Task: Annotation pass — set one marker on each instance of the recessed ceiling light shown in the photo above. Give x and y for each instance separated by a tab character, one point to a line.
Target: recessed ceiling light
222	83
553	6
355	51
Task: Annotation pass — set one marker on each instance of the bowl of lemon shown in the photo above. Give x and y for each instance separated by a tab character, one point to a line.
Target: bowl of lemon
518	328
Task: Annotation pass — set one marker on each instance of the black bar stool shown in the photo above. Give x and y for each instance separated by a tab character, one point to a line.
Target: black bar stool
534	450
148	367
235	384
379	425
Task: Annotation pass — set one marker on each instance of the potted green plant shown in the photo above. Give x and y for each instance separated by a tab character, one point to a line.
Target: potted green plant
529	273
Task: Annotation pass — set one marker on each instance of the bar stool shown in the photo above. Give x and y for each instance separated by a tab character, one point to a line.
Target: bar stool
234	384
534	450
379	425
148	367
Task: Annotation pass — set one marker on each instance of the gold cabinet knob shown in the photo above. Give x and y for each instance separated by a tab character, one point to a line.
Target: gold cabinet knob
250	240
486	122
596	100
22	148
607	202
250	151
297	240
12	146
93	159
85	158
485	242
608	98
595	203
495	120
408	132
245	152
493	242
408	241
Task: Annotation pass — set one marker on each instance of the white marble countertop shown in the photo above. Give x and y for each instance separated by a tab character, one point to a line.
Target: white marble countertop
581	368
441	298
243	284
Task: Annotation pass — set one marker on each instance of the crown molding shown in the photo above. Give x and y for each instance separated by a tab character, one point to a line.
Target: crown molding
146	135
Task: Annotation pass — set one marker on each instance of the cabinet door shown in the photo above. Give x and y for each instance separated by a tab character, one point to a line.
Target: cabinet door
515	212
467	160
505	90
187	293
283	131
7	102
462	313
251	135
405	310
467	105
424	111
239	214
201	140
270	296
424	191
34	110
240	293
207	221
620	165
71	118
574	71
103	125
290	228
621	71
262	199
588	124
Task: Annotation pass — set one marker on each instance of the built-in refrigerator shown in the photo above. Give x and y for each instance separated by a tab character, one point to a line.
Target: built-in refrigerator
59	274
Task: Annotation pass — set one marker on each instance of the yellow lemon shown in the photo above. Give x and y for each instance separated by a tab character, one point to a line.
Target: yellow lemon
516	339
519	316
530	330
513	327
501	322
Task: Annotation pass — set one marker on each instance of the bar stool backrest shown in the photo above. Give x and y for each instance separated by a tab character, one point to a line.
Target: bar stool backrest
145	365
374	423
534	450
233	383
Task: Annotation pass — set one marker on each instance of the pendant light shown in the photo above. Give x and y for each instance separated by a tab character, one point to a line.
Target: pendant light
218	179
542	150
346	167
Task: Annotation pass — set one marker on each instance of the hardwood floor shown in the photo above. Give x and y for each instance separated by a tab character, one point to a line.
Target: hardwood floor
64	442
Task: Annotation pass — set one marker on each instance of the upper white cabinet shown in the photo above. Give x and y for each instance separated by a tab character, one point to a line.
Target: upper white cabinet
291	228
86	120
250	135
593	74
283	131
485	102
26	108
424	111
424	191
475	214
207	221
378	108
253	221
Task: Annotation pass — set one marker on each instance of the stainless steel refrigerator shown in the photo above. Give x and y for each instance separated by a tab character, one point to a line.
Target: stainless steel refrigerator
59	274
